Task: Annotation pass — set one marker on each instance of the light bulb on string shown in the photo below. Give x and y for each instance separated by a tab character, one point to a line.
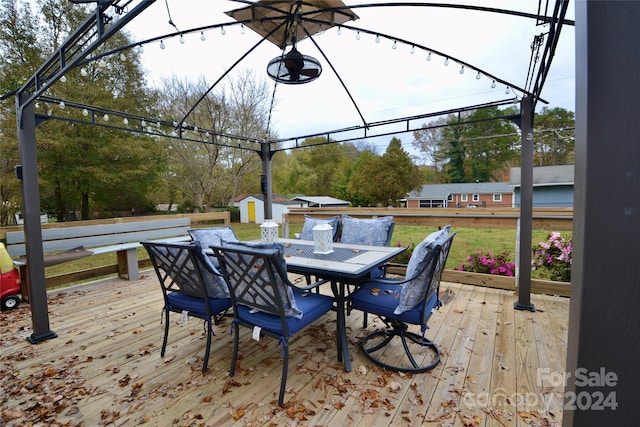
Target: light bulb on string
507	90
394	46
62	105
123	57
358	35
85	112
162	46
339	30
140	48
105	117
202	37
446	62
413	50
461	70
377	38
143	123
63	79
181	38
222	31
478	76
195	128
84	72
125	121
241	28
429	57
493	84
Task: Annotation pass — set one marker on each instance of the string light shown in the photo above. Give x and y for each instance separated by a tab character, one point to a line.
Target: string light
63	79
377	38
83	72
61	105
429	57
162	46
123	57
339	30
143	123
202	37
413	50
358	35
125	121
241	28
222	31
446	62
181	39
85	112
105	117
507	90
493	84
478	76
395	45
461	70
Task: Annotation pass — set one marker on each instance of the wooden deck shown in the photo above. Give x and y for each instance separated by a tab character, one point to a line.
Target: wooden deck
105	367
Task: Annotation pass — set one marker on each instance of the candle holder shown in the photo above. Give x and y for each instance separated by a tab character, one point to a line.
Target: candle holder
269	231
323	238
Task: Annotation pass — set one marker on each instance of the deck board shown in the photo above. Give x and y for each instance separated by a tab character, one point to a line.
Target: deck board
105	366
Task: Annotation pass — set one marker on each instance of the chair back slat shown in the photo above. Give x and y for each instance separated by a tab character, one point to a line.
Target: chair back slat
253	279
439	260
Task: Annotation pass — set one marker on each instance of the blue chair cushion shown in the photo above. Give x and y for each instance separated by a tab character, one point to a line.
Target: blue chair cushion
372	232
313	306
194	305
385	300
413	291
310	222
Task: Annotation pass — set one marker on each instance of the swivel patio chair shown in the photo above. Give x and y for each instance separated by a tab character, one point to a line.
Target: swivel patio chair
403	302
190	284
264	298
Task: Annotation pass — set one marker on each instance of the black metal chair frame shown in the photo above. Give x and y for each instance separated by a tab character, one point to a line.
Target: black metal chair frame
398	328
181	272
253	277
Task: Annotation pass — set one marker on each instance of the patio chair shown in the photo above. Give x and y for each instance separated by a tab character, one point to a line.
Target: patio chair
264	299
190	284
403	302
367	231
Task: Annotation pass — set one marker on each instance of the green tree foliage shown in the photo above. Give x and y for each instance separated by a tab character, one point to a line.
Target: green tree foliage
82	167
554	137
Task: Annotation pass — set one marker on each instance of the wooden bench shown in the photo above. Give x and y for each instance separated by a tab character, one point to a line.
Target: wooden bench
122	238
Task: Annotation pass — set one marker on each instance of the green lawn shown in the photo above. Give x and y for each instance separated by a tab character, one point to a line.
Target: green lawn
467	241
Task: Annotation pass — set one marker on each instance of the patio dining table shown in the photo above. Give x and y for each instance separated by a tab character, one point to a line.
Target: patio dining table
347	265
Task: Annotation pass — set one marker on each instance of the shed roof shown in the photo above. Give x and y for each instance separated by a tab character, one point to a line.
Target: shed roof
442	191
321	201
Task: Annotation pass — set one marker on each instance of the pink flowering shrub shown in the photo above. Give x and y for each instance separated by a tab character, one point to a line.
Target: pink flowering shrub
403	258
554	255
488	263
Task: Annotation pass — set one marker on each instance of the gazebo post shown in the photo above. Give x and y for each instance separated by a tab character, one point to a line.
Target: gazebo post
266	180
526	207
28	173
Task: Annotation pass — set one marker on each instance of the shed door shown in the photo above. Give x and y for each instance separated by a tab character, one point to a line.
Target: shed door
251	210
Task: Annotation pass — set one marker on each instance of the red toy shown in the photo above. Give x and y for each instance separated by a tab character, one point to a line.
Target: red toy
9	281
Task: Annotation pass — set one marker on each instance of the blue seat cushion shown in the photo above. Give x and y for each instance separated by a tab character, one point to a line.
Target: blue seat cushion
313	306
384	302
196	306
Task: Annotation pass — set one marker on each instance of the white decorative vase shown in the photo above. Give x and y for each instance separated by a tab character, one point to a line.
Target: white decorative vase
323	238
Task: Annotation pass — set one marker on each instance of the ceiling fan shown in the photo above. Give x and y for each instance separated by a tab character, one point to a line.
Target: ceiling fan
294	67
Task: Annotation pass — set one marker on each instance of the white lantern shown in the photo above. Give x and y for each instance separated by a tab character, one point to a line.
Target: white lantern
323	238
269	231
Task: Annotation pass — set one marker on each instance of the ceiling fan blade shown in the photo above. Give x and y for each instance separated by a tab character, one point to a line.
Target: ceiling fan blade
310	72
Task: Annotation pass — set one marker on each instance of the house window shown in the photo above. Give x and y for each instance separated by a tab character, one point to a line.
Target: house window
450	197
476	197
497	197
463	197
429	203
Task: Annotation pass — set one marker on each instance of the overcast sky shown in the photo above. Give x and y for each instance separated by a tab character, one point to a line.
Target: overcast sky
384	82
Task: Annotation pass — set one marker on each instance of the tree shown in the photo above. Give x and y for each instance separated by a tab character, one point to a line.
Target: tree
554	137
84	167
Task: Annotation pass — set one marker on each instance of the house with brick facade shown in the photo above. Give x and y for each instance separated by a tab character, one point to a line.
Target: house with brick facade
461	195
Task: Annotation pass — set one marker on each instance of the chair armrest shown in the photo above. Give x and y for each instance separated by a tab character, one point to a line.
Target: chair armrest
383	281
307	287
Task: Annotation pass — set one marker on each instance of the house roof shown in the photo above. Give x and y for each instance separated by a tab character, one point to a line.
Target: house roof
442	191
545	175
321	201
